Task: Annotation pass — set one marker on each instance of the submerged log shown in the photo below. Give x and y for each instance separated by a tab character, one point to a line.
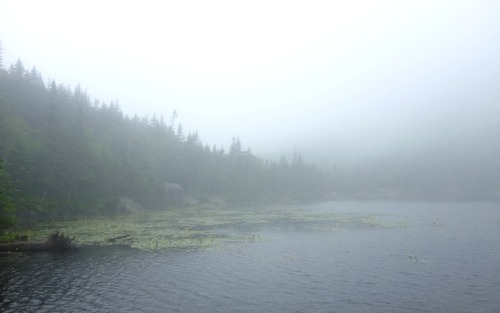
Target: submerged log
56	243
122	237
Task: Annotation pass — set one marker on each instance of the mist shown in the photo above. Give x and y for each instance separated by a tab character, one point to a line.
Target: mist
412	85
260	156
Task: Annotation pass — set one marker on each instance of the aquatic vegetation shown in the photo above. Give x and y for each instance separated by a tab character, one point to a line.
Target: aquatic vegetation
199	227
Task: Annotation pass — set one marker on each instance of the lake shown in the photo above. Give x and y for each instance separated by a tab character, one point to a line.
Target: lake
403	257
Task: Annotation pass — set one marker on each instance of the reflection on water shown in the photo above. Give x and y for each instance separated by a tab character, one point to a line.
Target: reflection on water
446	259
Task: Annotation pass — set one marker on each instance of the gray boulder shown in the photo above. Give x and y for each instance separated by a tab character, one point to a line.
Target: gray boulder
174	195
128	206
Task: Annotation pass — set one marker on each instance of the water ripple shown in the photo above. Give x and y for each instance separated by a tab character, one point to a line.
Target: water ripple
453	269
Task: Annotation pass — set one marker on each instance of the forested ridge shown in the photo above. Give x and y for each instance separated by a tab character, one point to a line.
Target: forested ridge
64	155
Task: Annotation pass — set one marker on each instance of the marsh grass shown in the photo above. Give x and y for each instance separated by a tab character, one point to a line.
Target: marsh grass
200	228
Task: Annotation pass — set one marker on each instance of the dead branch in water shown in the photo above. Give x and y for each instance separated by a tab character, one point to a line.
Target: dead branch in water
55	243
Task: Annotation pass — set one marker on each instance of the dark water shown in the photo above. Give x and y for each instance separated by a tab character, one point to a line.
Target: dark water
447	259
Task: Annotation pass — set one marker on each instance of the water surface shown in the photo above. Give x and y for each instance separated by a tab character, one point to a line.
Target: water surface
417	257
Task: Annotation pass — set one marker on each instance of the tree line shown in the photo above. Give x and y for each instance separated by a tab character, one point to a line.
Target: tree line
63	155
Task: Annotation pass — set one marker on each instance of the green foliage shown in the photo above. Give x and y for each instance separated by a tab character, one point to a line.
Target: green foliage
66	156
7	209
202	227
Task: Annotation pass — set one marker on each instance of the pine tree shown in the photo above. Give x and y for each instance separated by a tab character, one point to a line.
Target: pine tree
235	147
7	210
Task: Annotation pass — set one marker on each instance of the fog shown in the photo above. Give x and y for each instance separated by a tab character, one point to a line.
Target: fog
332	154
341	82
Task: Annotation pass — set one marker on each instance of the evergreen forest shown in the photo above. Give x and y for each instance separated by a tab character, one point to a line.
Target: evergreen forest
64	156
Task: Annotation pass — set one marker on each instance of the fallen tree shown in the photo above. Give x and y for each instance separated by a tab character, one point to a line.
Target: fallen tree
55	243
125	237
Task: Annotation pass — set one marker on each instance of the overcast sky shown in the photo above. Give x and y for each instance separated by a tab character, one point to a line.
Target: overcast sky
355	77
